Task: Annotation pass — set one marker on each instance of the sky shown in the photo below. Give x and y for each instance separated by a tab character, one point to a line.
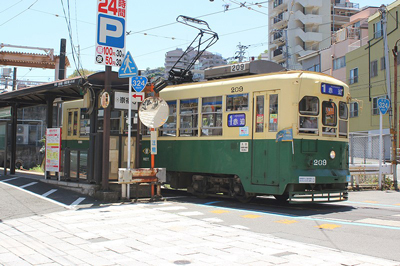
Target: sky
152	26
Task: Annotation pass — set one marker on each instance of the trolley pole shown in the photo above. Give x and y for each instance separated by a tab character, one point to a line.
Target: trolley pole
395	54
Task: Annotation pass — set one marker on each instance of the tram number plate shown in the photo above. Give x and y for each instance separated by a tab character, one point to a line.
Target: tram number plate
306	179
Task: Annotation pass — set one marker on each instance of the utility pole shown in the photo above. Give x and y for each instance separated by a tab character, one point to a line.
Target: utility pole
241	52
287	49
393	108
395	54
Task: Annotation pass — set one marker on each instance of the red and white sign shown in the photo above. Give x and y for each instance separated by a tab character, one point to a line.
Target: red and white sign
111	28
53	149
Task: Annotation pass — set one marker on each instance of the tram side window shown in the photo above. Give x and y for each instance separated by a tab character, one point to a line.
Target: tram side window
329	118
189	117
211	116
260	113
343	123
237	102
73	123
169	128
84	125
273	113
309	108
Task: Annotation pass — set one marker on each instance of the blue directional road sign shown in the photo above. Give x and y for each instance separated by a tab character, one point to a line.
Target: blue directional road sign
128	68
138	83
383	105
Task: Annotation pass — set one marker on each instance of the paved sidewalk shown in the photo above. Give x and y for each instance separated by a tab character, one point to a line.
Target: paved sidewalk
133	234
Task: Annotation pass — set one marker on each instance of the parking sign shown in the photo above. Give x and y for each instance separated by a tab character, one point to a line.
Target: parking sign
111	28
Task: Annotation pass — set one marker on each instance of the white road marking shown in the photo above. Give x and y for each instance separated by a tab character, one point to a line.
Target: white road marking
238	226
6	180
29	184
195	213
172	208
76	202
49	192
39	196
213	220
379	222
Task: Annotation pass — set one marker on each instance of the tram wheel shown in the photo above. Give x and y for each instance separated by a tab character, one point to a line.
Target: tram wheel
244	198
240	194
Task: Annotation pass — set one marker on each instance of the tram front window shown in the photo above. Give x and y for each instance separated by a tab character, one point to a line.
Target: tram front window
329	118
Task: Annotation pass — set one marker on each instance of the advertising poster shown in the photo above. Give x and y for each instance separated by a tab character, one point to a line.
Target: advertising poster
53	149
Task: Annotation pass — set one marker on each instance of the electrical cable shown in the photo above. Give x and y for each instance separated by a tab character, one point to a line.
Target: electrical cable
19	13
11	6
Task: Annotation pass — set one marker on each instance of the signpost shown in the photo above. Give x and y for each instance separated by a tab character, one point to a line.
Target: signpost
129	70
383	105
111	28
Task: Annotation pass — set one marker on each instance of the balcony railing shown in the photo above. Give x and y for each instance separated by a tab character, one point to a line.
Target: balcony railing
348	5
277	3
278	18
278	51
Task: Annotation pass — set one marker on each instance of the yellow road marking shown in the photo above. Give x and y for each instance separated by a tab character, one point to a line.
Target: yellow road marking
398	204
219	211
370	201
251	216
286	221
328	226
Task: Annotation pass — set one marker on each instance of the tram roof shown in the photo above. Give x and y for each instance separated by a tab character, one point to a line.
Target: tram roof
284	75
66	89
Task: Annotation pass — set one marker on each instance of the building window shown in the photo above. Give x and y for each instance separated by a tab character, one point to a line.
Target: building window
383	66
375	108
315	68
353	75
354	109
378	30
374	69
339	62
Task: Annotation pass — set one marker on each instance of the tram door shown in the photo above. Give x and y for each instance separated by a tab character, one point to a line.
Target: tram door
265	165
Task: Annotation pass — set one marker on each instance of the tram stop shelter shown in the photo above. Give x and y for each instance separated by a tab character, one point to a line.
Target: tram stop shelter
48	95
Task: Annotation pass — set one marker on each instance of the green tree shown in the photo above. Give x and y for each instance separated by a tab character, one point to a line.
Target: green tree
259	56
82	71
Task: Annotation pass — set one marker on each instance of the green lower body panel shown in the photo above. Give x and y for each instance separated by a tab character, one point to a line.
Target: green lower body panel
266	167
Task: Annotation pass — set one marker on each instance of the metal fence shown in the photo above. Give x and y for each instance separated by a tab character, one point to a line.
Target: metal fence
364	150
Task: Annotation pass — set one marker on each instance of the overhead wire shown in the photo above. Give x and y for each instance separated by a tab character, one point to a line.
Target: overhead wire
11	6
19	13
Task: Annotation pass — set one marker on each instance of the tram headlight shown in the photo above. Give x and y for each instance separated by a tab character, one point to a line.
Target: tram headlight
332	155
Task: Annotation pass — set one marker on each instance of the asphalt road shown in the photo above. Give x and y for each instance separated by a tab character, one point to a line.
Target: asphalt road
369	223
24	197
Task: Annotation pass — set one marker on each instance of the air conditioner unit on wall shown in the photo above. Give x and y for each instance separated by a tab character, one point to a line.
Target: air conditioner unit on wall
22	134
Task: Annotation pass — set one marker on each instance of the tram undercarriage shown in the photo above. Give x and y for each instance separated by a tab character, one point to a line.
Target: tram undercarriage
202	185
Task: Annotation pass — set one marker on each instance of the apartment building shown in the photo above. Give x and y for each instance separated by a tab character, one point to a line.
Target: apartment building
332	60
366	72
206	60
300	27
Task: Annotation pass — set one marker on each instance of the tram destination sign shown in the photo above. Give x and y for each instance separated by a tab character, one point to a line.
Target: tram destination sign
332	89
110	33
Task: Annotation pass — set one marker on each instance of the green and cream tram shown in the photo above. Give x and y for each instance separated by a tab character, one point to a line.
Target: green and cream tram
283	134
